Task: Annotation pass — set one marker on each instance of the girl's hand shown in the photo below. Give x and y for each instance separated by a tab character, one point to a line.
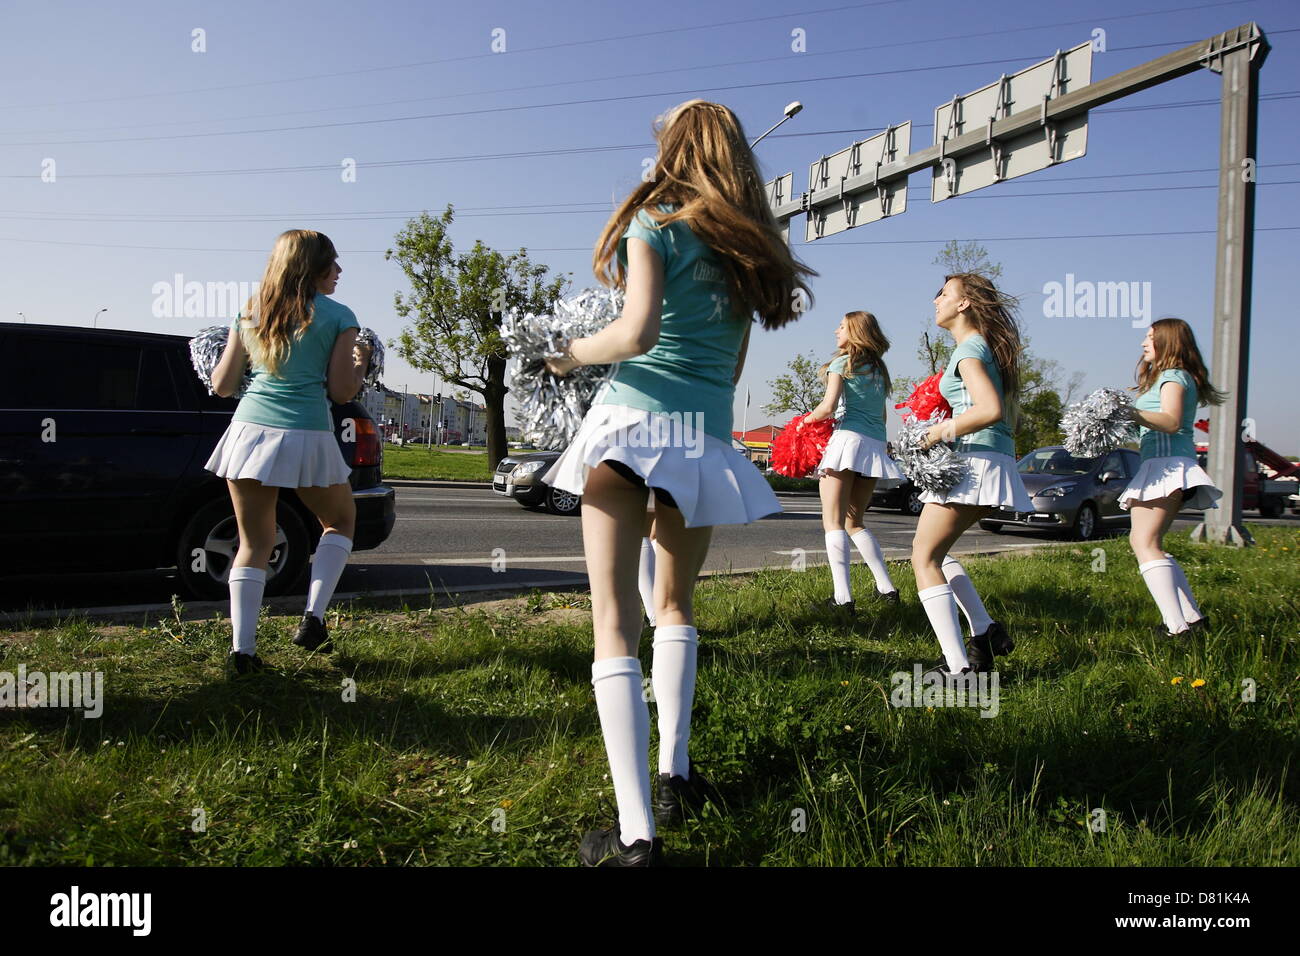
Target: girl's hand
562	365
937	433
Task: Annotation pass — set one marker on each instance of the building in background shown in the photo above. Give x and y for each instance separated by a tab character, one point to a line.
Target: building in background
757	443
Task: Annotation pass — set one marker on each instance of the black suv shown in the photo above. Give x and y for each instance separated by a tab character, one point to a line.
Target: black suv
103	438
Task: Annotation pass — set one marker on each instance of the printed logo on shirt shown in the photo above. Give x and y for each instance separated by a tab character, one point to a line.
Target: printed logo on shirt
707	272
721	307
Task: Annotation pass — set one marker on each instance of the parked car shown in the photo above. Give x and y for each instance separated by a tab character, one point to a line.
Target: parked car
103	438
1078	496
897	493
520	477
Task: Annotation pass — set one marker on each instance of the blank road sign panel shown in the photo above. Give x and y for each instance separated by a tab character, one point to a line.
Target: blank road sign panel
779	192
887	198
1057	142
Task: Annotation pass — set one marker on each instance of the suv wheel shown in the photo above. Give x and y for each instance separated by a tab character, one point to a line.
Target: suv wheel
207	546
1085	524
562	502
912	504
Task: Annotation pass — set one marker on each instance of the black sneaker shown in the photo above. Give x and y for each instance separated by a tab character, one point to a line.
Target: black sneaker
312	634
1159	630
1000	641
843	610
889	597
979	652
603	848
241	665
1201	623
678	798
953	679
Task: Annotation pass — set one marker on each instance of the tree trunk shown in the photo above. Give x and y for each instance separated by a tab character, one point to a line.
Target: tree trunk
494	399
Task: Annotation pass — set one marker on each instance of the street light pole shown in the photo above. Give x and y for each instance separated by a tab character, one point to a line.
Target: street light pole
790	110
94	323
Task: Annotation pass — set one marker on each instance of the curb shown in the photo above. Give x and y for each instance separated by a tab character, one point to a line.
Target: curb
433	483
292	604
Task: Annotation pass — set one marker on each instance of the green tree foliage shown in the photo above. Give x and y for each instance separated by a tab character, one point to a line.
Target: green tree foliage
456	307
800	389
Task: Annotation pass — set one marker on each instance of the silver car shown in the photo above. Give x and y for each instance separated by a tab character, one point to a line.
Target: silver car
1078	496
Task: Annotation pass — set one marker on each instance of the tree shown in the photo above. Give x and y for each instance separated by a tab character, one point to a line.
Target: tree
799	390
456	308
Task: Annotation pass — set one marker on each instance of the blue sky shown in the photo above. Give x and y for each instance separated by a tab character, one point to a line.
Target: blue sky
169	161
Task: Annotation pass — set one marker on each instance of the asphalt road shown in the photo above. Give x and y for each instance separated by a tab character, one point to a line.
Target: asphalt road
445	538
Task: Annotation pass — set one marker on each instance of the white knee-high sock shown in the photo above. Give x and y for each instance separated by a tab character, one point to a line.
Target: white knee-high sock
837	554
875	558
941	608
967	599
646	578
1159	577
1191	610
327	565
246	587
625	724
673	676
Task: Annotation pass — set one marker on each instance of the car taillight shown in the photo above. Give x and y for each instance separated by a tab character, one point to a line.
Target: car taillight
367	451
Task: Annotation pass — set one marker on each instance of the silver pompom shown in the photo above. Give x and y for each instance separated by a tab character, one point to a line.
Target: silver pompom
936	469
375	370
206	349
552	408
1102	421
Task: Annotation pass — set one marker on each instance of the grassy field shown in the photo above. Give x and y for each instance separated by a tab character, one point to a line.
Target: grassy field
419	462
473	737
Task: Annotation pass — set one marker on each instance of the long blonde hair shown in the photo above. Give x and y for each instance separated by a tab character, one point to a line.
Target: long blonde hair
993	315
865	345
706	168
1175	347
281	309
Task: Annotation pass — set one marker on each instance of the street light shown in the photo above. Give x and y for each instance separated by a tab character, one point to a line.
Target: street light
23	317
790	110
94	323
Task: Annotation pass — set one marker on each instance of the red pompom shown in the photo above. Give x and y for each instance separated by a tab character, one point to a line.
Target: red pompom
797	451
926	399
1203	424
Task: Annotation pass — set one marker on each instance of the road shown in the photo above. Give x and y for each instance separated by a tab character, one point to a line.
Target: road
445	537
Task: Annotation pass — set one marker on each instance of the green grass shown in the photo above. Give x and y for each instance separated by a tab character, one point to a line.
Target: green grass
459	714
419	462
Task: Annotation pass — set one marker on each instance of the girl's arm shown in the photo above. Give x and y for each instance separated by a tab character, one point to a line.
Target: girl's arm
826	407
230	369
986	405
744	350
1170	416
346	375
636	331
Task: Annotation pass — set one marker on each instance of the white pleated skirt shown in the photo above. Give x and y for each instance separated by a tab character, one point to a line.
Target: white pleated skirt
993	480
710	481
1161	477
281	457
848	450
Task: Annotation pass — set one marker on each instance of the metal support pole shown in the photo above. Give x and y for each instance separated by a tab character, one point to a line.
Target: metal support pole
1232	282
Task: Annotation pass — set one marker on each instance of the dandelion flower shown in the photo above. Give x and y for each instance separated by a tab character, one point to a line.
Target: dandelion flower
844	683
1198	682
1176	680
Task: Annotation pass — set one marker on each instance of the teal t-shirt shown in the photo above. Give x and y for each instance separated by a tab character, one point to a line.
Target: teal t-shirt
1156	444
996	437
864	399
296	396
690	369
